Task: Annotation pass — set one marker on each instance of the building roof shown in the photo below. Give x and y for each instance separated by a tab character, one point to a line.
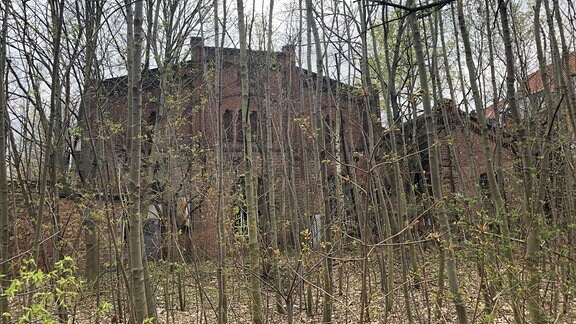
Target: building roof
534	82
150	77
533	85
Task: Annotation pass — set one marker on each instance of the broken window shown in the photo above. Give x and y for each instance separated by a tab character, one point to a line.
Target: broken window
240	209
417	184
241	222
484	181
151	229
152	118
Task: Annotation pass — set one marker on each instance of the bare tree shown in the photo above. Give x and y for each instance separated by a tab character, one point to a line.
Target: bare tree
4	222
83	149
268	162
316	87
528	175
220	214
495	190
251	198
137	257
433	156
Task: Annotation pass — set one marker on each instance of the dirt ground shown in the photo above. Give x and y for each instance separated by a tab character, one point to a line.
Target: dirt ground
188	294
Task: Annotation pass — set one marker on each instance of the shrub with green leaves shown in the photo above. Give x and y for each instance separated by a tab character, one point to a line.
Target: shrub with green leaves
52	293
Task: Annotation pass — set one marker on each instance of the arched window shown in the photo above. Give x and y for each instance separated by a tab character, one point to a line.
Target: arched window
254	123
239	131
240	209
227	123
152	118
148	132
328	129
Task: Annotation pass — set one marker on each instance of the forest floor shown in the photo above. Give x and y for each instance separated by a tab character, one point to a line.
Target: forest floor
421	292
188	293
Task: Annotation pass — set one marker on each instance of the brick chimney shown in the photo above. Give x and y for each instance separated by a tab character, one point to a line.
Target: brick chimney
196	48
447	105
289	49
448	109
289	52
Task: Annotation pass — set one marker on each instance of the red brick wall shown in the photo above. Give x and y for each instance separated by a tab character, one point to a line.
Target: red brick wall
195	132
462	153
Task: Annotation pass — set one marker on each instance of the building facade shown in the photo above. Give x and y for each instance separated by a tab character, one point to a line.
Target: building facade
181	116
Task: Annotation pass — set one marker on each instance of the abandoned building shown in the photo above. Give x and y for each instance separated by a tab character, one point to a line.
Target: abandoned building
461	151
187	109
530	93
462	164
182	100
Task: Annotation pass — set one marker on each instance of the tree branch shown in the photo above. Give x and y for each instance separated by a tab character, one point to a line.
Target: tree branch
409	9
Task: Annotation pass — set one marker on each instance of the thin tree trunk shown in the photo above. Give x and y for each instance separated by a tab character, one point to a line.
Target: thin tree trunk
528	172
220	215
84	158
315	94
372	196
435	172
566	73
5	276
251	199
270	173
135	39
495	191
544	175
392	116
53	133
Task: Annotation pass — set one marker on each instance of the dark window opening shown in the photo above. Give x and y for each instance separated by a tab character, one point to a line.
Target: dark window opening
239	125
422	183
328	128
241	221
484	184
152	118
254	124
149	133
240	209
227	123
418	184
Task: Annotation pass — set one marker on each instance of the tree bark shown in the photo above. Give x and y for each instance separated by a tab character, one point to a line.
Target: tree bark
434	159
270	173
220	215
5	276
528	172
83	154
251	199
135	239
315	95
495	191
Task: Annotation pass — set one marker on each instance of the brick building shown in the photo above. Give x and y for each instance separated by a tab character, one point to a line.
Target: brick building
189	133
462	163
461	150
530	92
